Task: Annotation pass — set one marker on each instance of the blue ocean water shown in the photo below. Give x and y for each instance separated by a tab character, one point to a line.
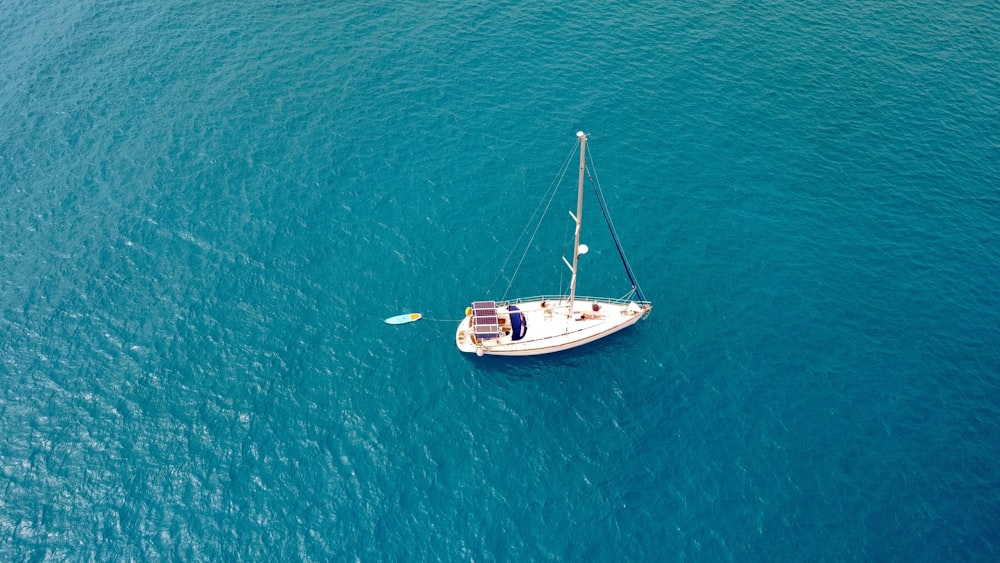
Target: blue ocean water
207	209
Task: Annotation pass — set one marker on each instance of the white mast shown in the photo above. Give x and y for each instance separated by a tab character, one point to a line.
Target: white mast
578	218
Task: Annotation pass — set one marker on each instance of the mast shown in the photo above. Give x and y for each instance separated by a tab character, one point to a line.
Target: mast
578	218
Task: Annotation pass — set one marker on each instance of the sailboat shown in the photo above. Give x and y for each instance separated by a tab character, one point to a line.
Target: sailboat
544	324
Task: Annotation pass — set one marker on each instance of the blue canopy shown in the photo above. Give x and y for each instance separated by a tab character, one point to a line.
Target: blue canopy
518	324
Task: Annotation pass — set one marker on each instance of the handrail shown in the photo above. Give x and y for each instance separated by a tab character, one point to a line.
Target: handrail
565	298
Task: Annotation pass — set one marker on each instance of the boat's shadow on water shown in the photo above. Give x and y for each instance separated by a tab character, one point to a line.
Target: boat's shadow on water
518	368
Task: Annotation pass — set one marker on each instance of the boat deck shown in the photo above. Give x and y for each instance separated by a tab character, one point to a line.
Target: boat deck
551	326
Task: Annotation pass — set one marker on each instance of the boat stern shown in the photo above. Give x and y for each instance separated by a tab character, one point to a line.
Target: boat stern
464	336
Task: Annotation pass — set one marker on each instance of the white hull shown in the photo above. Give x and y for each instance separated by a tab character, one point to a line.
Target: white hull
551	328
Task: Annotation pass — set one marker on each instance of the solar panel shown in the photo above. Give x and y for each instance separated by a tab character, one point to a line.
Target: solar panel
485	322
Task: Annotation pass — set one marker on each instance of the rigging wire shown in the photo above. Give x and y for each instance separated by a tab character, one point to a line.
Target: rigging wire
543	207
595	183
547	199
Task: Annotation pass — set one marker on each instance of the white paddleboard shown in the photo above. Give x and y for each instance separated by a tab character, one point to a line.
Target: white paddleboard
403	319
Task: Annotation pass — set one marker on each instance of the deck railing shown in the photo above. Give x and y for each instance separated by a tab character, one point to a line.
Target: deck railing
560	299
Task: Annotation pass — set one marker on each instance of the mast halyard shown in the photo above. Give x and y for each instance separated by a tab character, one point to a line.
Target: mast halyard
579	220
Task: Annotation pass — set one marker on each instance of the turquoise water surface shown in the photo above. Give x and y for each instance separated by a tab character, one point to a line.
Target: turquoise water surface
207	209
